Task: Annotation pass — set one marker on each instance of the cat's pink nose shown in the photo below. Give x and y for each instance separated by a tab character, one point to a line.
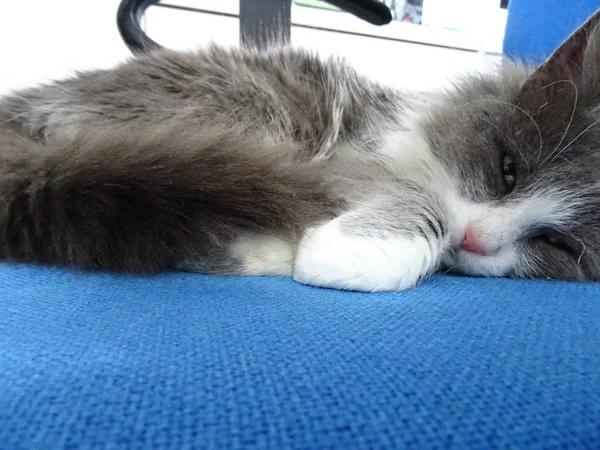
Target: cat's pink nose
470	243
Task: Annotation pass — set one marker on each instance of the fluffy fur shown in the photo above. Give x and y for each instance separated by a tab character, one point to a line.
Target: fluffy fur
277	162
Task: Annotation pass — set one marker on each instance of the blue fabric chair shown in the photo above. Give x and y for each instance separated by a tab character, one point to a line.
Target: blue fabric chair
535	28
183	361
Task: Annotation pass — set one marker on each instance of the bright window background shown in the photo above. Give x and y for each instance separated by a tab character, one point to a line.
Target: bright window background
44	40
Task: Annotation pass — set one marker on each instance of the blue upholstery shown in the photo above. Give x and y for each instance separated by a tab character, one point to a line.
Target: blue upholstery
536	27
185	361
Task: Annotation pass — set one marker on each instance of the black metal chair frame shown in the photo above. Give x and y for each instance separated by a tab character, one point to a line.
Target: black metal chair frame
260	20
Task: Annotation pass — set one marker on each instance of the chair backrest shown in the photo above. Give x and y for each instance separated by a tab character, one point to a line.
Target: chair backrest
535	28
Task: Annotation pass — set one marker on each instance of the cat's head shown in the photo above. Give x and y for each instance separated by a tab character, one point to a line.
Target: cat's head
523	152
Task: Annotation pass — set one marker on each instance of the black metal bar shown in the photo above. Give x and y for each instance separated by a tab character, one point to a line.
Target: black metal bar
129	18
263	22
372	11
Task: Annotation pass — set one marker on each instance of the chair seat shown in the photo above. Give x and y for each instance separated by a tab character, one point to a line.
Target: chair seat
188	361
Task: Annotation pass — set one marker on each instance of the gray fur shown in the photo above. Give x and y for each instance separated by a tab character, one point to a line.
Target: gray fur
239	119
163	162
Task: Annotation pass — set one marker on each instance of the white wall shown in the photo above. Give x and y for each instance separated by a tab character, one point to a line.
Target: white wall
46	39
42	40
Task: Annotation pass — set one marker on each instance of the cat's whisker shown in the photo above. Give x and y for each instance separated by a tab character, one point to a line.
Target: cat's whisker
583	247
576	137
572	112
516	147
539	131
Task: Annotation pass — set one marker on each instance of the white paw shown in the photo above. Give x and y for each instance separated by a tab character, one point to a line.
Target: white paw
329	258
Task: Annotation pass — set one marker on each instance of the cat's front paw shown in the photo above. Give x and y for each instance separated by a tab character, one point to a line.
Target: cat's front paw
328	257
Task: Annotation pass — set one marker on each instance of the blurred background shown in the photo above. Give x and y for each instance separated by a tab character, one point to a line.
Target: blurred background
428	41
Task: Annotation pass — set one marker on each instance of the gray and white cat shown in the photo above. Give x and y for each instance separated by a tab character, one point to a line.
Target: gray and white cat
277	162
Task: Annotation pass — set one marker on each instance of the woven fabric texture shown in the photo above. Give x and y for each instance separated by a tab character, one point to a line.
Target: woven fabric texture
536	27
183	361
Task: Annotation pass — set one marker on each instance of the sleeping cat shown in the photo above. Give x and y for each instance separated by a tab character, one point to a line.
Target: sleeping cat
241	162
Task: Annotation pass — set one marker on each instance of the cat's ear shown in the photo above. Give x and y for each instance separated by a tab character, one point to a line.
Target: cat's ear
577	60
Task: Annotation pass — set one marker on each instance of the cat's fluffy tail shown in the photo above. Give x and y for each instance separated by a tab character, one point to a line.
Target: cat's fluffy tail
137	202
